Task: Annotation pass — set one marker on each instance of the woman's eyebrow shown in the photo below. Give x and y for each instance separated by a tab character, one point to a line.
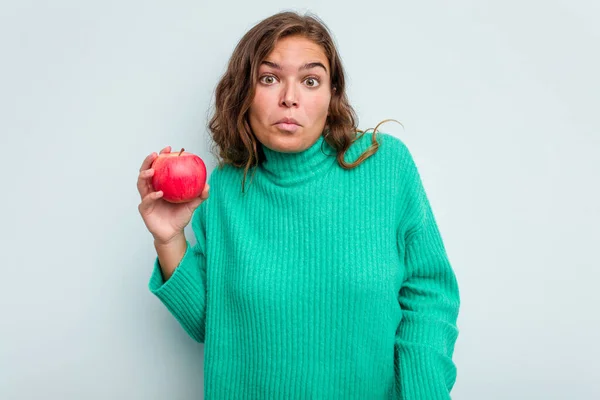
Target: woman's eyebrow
303	67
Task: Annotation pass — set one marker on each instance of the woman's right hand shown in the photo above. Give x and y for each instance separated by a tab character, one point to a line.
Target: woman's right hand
164	220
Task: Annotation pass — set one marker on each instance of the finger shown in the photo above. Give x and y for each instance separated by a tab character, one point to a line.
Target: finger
205	191
148	161
193	204
143	183
166	150
149	201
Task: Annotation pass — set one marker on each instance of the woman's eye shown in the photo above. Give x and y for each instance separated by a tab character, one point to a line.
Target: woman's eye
312	82
268	79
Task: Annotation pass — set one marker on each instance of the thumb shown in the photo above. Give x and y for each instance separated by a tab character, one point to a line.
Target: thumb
198	200
193	204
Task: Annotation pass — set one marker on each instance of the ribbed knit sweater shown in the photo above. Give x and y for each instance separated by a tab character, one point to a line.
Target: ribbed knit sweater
319	282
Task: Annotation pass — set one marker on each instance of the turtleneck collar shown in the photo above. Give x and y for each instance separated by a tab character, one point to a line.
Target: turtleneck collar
287	169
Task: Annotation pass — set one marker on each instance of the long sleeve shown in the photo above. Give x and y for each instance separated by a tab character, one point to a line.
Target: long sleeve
429	299
184	293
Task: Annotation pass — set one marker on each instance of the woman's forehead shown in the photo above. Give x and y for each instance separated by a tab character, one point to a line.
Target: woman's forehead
297	48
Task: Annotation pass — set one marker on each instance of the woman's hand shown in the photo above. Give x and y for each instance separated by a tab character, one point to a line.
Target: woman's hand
164	220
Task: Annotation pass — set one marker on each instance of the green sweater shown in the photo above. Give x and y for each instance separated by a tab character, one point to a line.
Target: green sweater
319	282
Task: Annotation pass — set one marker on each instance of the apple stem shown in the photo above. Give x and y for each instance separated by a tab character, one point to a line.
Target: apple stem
180	152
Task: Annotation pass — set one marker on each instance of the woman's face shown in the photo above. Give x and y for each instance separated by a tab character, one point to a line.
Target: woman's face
293	82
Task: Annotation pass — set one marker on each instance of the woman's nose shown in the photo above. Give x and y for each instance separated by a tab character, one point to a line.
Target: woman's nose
289	97
289	102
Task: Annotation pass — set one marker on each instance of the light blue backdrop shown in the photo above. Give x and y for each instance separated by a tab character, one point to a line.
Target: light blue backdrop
500	106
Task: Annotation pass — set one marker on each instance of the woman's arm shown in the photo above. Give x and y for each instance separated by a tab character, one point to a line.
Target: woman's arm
182	289
170	254
429	299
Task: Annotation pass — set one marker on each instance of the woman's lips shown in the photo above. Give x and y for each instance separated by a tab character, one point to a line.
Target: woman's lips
287	127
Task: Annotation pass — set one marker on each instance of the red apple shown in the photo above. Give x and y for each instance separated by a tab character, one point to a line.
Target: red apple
181	176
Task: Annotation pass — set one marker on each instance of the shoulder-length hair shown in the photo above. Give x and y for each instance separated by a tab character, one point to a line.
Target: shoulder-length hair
229	126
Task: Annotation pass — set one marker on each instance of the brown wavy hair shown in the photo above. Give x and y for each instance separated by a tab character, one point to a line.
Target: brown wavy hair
230	129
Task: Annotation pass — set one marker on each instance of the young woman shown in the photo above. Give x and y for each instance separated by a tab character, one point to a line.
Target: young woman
325	275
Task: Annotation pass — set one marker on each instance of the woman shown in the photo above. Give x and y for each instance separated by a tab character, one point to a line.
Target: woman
320	278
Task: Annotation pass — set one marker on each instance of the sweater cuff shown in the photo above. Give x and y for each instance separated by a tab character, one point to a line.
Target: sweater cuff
184	293
425	374
183	283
